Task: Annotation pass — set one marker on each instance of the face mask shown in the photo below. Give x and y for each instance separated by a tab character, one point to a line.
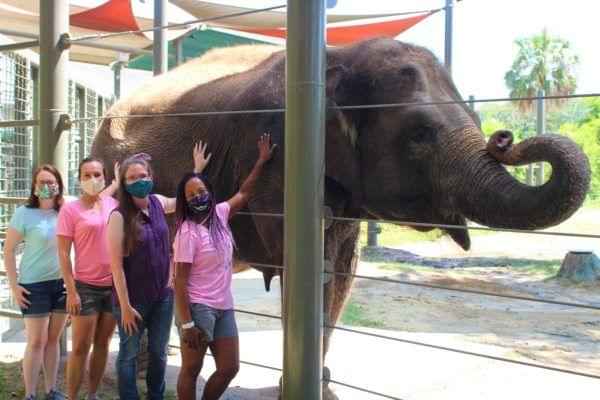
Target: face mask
201	204
45	192
140	188
92	186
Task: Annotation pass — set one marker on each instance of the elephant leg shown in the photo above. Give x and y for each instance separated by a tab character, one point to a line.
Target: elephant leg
338	288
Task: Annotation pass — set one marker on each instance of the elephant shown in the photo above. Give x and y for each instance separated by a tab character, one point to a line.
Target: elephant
414	162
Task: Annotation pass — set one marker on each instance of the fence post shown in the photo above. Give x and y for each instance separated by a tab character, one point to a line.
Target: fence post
303	200
472	102
52	143
160	51
448	35
540	130
372	231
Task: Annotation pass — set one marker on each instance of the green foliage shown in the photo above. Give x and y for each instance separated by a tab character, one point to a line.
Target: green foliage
542	62
578	119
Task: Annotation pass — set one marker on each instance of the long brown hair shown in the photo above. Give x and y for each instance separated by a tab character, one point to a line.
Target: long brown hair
33	201
131	214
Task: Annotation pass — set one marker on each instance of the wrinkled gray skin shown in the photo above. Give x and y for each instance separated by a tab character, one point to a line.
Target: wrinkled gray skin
411	163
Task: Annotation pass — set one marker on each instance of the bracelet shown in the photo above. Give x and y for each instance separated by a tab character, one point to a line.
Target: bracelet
187	325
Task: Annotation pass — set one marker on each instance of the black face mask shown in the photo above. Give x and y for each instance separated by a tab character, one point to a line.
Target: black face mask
201	204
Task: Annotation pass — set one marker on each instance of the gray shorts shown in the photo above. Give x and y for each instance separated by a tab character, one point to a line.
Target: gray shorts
94	299
214	323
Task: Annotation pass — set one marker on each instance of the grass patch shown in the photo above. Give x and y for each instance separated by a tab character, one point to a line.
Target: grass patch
393	235
547	268
12	386
357	315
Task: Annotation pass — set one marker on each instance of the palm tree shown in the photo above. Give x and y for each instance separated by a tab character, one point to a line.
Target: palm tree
543	62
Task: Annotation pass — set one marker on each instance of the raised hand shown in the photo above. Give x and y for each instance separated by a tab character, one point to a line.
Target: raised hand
200	160
265	149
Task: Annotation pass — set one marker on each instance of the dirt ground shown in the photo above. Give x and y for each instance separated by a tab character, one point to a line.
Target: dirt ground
558	336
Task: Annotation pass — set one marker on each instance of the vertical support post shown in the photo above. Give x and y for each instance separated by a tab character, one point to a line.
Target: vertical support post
117	67
530	175
303	203
160	51
472	102
52	143
448	35
372	231
540	130
178	44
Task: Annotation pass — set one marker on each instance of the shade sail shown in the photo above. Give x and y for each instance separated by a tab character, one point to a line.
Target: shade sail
195	45
338	34
110	16
263	20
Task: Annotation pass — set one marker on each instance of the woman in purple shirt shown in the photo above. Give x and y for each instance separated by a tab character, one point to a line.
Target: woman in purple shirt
138	242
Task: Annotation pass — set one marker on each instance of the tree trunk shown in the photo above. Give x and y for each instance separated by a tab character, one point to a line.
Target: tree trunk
580	267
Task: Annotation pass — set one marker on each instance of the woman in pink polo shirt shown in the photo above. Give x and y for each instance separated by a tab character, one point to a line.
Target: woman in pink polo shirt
203	253
83	224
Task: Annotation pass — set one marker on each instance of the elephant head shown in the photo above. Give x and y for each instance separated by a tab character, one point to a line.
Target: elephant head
430	163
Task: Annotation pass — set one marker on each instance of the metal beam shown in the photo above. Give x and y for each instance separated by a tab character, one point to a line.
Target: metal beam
20	45
14	123
103	46
303	203
53	139
161	51
448	35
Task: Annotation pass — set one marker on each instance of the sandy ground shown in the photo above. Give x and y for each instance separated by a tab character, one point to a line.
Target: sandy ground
553	335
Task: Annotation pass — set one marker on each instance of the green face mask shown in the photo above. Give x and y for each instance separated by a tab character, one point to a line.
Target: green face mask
45	192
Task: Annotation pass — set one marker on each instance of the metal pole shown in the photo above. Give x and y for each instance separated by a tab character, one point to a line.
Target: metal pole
303	204
53	139
472	102
178	51
20	45
372	231
117	67
161	51
448	36
105	46
540	130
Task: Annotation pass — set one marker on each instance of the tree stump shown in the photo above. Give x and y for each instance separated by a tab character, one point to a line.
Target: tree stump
580	266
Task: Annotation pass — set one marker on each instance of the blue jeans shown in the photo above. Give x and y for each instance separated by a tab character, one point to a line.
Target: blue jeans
157	318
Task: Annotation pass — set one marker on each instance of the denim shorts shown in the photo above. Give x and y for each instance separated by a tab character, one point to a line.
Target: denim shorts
214	323
94	299
46	297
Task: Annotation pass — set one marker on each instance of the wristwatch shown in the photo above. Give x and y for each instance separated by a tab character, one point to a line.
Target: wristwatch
187	325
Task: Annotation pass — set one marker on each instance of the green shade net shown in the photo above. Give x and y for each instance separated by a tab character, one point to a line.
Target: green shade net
194	45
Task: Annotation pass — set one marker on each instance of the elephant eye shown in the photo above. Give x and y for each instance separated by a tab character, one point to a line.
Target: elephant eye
421	134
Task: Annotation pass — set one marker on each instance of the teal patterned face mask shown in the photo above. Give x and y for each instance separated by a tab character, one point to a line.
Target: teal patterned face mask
45	192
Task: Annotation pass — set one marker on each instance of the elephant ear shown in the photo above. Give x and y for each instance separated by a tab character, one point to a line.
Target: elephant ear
342	156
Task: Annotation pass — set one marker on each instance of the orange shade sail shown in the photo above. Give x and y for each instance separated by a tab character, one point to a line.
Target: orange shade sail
342	35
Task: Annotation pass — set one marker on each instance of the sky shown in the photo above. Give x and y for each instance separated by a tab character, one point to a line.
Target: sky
484	35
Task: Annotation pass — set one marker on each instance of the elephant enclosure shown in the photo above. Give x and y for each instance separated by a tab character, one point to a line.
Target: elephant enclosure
517	264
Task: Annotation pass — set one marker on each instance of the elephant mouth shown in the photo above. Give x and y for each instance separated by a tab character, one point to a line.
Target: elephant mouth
457	232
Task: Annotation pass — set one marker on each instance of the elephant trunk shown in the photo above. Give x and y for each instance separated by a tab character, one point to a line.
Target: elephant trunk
494	198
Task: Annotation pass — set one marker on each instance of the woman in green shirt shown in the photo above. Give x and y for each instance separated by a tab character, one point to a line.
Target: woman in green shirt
38	288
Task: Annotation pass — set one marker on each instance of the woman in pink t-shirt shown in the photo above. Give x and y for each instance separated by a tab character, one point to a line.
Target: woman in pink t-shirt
83	224
203	251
